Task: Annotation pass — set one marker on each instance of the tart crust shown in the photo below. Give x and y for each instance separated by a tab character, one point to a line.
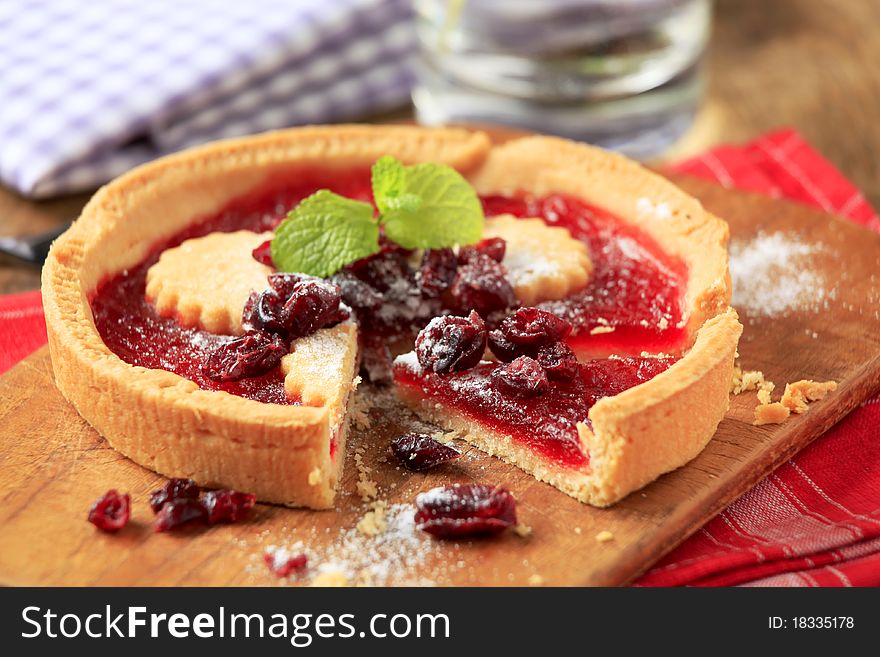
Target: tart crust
159	419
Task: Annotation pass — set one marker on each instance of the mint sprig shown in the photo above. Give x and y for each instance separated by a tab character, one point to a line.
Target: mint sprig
428	206
323	233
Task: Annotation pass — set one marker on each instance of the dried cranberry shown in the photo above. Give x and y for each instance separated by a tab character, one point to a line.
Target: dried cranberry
311	305
465	510
418	451
534	327
263	254
384	269
283	283
451	344
294	306
111	512
505	350
282	563
558	361
172	490
227	505
180	512
522	378
436	272
252	354
494	247
361	296
262	312
481	284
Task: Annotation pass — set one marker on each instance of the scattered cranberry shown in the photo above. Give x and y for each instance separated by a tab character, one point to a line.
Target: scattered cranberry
418	451
558	361
180	512
283	564
451	344
263	254
227	505
111	512
436	271
252	354
465	510
494	247
534	327
481	284
522	378
172	490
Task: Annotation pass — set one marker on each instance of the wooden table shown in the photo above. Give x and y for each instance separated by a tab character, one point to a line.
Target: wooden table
810	64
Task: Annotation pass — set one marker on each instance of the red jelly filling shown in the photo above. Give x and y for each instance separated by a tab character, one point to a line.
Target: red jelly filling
131	328
635	287
546	424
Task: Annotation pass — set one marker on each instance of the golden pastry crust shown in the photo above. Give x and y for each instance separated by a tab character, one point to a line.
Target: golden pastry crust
206	281
637	435
543	262
158	418
676	221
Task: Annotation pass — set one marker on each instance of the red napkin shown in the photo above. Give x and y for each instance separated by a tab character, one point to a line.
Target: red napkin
813	522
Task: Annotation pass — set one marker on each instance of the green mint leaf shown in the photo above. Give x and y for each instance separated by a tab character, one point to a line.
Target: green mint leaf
389	187
323	233
428	206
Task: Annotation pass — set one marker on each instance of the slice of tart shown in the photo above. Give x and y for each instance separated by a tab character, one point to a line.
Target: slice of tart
658	282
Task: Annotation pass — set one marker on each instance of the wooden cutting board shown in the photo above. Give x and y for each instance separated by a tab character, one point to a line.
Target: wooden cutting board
54	465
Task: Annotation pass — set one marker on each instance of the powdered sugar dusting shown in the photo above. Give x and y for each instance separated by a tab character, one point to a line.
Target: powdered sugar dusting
389	558
775	273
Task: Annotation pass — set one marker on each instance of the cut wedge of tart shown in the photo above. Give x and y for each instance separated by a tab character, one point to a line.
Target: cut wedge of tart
651	327
174	335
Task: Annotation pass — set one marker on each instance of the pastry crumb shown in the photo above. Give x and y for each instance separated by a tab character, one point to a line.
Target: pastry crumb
373	523
773	413
795	399
359	410
366	487
315	477
598	330
746	380
799	394
522	530
604	536
536	580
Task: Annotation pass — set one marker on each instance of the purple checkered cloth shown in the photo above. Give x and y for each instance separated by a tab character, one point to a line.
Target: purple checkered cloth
90	89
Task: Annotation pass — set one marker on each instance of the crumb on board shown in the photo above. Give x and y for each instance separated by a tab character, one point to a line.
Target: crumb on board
373	523
522	530
315	477
604	536
795	399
